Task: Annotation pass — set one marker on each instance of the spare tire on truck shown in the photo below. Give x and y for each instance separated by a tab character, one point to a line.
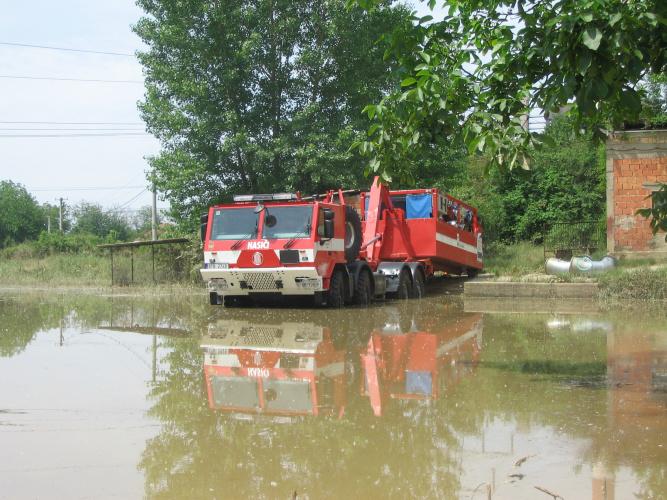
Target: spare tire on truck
352	234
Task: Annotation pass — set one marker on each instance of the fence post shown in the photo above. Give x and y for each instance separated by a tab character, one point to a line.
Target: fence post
153	257
132	265
111	255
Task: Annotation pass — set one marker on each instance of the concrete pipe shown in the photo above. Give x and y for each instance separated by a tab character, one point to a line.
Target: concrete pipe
586	265
557	266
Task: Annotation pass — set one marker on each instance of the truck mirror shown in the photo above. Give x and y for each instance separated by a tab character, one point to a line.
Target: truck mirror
328	223
203	219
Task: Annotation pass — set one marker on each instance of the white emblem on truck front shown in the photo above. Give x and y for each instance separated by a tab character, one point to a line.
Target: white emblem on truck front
257	258
258	245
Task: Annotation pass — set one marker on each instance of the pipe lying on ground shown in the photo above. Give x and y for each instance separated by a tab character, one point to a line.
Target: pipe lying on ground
580	265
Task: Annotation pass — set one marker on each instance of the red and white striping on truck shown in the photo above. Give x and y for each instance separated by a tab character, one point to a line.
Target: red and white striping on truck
324	247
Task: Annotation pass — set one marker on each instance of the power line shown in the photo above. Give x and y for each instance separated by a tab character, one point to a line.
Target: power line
97	188
66	49
113	134
87	80
70	123
13	129
132	199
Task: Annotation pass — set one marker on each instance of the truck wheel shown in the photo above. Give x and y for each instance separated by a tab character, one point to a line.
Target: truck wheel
214	299
404	290
352	234
472	272
336	293
363	292
418	287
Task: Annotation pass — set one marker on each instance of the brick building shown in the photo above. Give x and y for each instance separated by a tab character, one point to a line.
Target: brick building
636	165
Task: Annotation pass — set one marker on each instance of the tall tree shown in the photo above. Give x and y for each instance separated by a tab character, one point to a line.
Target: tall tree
259	95
20	216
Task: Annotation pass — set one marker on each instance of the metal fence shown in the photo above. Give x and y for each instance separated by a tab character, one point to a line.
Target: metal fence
565	239
148	262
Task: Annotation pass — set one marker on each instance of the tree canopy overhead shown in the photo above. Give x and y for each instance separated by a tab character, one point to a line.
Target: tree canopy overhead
259	95
486	63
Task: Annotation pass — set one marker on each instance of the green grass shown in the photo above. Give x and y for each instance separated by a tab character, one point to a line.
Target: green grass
641	284
85	269
515	260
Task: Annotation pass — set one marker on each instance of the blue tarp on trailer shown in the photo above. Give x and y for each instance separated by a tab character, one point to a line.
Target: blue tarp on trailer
419	206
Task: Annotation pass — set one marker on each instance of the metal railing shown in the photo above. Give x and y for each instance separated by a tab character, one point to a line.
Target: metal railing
565	239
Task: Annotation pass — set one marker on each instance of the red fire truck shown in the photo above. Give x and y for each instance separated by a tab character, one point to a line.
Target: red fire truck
321	246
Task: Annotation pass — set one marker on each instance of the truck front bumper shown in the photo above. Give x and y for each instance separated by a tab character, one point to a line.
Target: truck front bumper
282	280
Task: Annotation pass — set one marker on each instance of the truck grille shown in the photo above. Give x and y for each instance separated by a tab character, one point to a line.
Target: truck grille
262	335
260	281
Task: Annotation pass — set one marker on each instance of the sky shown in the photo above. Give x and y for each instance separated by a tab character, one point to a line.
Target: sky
54	167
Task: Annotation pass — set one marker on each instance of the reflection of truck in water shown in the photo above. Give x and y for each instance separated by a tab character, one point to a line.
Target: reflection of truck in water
320	246
414	364
294	368
289	368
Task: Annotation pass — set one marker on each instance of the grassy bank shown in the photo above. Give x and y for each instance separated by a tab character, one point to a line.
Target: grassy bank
514	260
84	269
641	283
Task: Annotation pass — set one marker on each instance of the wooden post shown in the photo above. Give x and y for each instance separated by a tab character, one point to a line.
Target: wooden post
111	255
132	265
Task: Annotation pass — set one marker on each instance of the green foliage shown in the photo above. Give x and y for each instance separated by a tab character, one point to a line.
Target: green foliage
259	97
565	184
658	210
488	62
20	216
654	102
91	218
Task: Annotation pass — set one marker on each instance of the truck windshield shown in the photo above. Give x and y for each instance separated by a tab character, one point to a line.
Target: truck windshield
234	224
288	222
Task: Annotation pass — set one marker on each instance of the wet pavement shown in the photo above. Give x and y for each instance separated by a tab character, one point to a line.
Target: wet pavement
168	397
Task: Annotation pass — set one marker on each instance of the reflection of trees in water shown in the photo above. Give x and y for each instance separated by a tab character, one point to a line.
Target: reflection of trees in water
24	316
20	320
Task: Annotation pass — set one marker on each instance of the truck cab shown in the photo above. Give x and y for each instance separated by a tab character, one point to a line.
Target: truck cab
272	244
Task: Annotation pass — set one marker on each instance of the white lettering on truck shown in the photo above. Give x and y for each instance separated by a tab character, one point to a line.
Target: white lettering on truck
258	245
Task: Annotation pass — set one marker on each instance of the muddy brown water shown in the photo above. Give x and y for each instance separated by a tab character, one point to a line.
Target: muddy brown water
167	397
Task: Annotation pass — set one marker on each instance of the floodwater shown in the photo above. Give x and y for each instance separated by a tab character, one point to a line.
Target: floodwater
168	397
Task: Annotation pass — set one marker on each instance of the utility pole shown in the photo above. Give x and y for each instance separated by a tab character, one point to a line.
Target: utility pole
154	215
60	216
48	224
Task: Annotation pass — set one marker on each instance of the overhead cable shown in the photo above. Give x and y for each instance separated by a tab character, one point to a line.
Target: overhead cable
66	49
50	78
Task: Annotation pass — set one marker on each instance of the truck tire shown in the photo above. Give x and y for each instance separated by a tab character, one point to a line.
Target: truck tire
363	291
336	292
472	272
419	286
352	234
